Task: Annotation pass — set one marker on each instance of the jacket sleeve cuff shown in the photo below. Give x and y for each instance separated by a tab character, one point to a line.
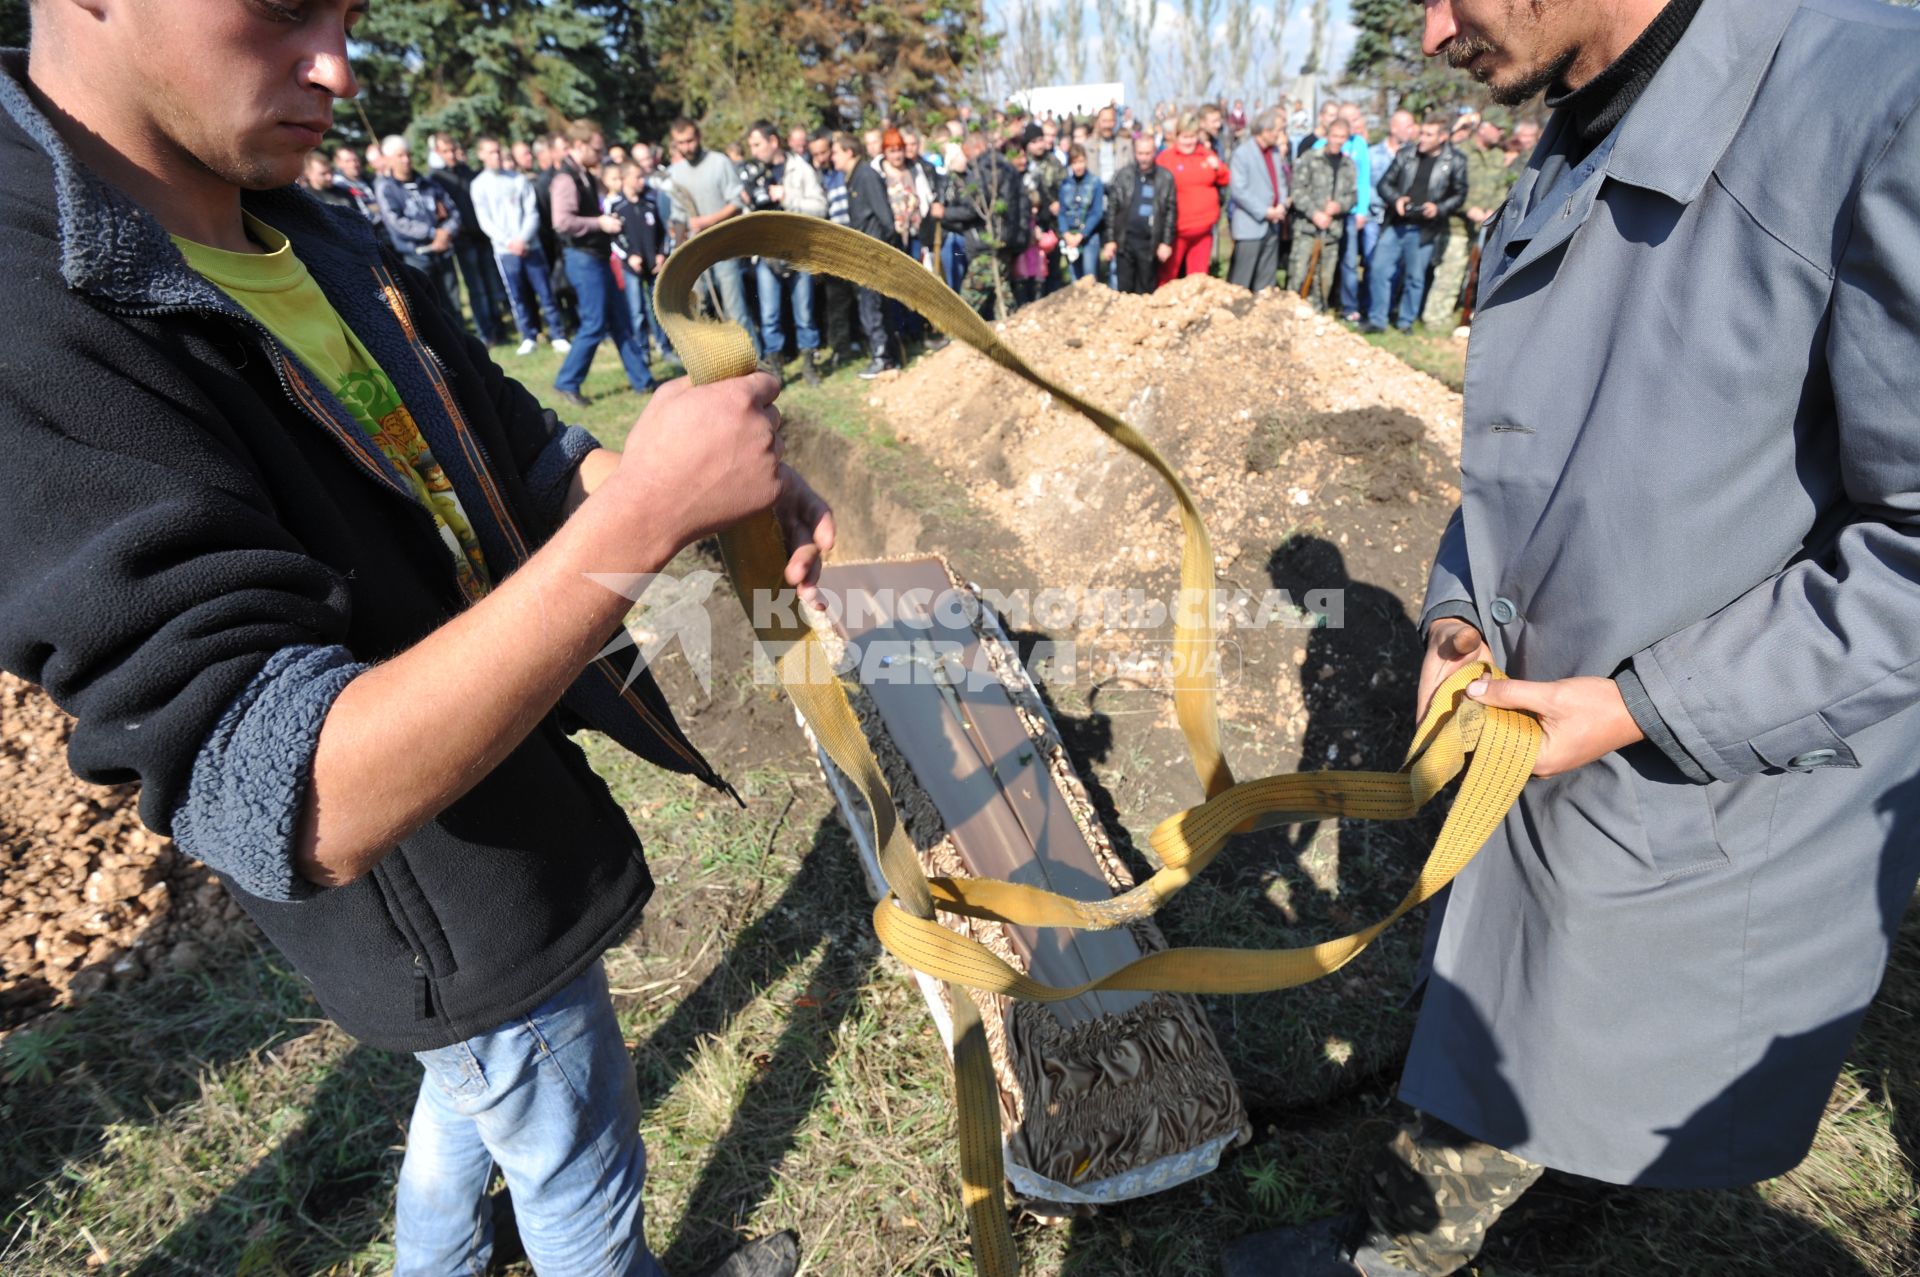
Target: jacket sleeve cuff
551	472
249	780
1654	727
1455	608
1807	742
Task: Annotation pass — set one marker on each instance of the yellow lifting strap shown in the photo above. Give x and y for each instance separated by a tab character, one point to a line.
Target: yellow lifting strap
1494	747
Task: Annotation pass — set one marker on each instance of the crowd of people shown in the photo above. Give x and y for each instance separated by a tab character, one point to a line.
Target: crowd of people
562	236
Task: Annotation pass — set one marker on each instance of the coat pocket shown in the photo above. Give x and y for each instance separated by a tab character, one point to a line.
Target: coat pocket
1676	816
414	915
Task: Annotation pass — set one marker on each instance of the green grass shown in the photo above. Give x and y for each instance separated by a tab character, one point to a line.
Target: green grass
836	404
215	1124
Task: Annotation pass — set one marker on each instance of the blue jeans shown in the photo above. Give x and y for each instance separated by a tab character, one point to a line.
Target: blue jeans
550	1099
1358	249
953	260
647	331
729	278
772	288
483	285
1399	253
602	315
520	273
1087	263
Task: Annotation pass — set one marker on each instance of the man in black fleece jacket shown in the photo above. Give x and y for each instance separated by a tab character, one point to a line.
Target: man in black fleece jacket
307	566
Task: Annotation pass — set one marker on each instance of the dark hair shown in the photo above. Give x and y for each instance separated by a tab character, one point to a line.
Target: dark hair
764	128
683	125
1076	152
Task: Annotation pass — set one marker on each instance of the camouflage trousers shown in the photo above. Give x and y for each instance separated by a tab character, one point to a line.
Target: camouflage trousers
1432	1197
977	285
1326	272
1442	305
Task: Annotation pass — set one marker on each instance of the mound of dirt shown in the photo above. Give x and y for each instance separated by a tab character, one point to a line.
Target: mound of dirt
1321	463
88	896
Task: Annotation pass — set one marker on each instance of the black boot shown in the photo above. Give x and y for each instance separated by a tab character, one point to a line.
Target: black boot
775	1256
808	373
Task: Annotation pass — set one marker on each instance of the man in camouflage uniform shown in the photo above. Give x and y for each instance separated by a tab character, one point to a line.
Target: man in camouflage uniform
1488	180
1325	187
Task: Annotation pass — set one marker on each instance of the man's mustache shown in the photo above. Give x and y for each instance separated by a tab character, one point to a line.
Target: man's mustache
1465	48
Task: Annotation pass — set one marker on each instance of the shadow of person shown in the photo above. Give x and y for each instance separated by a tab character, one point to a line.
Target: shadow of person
824	902
766	951
1887	1050
134	1058
786	1088
1362	662
321	1195
1087	738
324	1191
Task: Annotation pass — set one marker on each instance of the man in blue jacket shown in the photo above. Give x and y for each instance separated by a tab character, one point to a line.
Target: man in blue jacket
308	568
420	219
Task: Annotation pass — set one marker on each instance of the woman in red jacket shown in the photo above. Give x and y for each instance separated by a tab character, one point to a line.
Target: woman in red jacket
1198	175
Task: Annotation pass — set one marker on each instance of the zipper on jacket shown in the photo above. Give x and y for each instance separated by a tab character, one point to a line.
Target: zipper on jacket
423	987
435	368
289	378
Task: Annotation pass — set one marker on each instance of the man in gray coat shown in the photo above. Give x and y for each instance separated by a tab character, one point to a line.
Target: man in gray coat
1257	204
1690	529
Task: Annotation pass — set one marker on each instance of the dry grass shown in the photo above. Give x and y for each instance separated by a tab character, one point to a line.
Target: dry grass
791	1078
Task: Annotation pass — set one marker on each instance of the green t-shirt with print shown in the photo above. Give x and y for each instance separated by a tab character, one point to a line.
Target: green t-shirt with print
276	289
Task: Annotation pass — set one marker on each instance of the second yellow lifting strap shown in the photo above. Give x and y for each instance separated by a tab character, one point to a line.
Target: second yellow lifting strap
1495	748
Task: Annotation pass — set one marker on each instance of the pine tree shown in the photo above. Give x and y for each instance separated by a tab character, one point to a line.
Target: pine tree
468	66
13	24
1387	58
